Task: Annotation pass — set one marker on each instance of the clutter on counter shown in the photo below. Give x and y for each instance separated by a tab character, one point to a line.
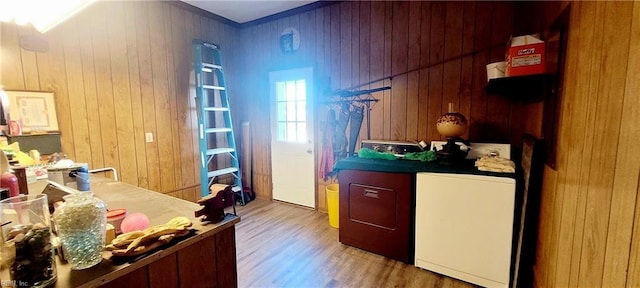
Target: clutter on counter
134	222
71	221
81	225
115	217
7	179
26	233
138	242
495	164
74	175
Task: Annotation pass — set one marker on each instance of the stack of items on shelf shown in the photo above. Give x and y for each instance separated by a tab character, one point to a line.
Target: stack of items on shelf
525	56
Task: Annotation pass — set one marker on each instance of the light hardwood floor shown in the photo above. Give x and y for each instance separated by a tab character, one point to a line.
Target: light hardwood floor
282	245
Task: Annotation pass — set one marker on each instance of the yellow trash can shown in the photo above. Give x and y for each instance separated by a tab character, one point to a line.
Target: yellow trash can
332	204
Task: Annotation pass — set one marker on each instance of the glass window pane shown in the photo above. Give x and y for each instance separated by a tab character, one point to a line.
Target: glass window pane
301	111
301	89
291	91
281	111
281	131
280	91
291	111
291	132
302	132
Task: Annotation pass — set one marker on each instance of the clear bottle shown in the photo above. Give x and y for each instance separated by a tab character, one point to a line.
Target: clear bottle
81	224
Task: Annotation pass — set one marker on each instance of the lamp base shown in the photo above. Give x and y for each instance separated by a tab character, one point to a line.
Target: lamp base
451	154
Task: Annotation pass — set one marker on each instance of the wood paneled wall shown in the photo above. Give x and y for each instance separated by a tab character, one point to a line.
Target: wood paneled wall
589	233
430	53
120	69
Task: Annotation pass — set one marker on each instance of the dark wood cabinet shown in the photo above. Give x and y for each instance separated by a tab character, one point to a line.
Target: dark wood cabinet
376	212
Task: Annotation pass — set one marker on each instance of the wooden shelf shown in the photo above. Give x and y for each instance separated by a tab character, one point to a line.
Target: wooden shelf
527	88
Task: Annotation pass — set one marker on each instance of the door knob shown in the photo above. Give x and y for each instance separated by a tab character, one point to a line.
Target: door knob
309	151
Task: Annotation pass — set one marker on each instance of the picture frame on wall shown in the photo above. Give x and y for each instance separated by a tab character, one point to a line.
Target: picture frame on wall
35	111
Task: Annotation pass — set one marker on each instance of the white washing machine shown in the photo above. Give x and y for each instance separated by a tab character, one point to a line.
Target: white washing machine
464	226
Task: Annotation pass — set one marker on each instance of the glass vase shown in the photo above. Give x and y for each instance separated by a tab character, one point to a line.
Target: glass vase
81	224
28	233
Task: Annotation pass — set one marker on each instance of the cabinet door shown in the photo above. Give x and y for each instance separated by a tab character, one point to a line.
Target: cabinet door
376	212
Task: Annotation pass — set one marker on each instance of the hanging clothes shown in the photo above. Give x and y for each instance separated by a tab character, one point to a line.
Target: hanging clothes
355	117
340	136
327	161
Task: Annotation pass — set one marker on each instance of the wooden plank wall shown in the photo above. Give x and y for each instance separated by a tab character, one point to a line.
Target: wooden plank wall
590	212
435	51
120	69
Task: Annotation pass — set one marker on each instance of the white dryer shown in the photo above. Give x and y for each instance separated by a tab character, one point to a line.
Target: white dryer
464	226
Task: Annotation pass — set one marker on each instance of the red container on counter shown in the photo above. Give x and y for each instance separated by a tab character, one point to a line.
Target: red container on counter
10	181
115	217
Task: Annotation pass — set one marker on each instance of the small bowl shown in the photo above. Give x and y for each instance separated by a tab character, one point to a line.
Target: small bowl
115	217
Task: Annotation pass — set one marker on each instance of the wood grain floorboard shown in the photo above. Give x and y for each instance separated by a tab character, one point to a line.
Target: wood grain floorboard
282	245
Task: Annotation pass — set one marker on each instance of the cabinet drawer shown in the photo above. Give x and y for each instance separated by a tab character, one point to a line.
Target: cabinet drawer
373	205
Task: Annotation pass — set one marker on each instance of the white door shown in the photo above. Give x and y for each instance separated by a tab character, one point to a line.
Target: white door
292	157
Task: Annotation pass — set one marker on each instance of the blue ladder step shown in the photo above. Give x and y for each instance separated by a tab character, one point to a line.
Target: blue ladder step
221	109
219	172
210	66
217	130
217	151
213	87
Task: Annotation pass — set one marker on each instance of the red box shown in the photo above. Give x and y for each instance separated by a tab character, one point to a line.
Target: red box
525	56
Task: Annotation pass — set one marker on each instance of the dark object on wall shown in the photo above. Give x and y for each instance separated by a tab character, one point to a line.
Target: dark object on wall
531	167
32	40
556	40
289	40
45	143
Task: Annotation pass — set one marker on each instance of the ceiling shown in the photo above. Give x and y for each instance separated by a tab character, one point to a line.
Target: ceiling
246	10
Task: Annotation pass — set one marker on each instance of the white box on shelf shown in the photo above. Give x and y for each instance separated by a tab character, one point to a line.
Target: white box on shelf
495	70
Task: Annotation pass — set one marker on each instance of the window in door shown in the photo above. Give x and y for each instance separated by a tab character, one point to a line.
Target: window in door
291	111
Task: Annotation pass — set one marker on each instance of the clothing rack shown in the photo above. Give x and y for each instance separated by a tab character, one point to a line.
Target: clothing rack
346	93
352	107
349	101
355	103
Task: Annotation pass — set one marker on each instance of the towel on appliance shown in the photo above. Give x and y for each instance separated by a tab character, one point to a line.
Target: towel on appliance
495	164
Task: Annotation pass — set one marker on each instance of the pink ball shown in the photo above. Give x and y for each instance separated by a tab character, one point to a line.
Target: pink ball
134	222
